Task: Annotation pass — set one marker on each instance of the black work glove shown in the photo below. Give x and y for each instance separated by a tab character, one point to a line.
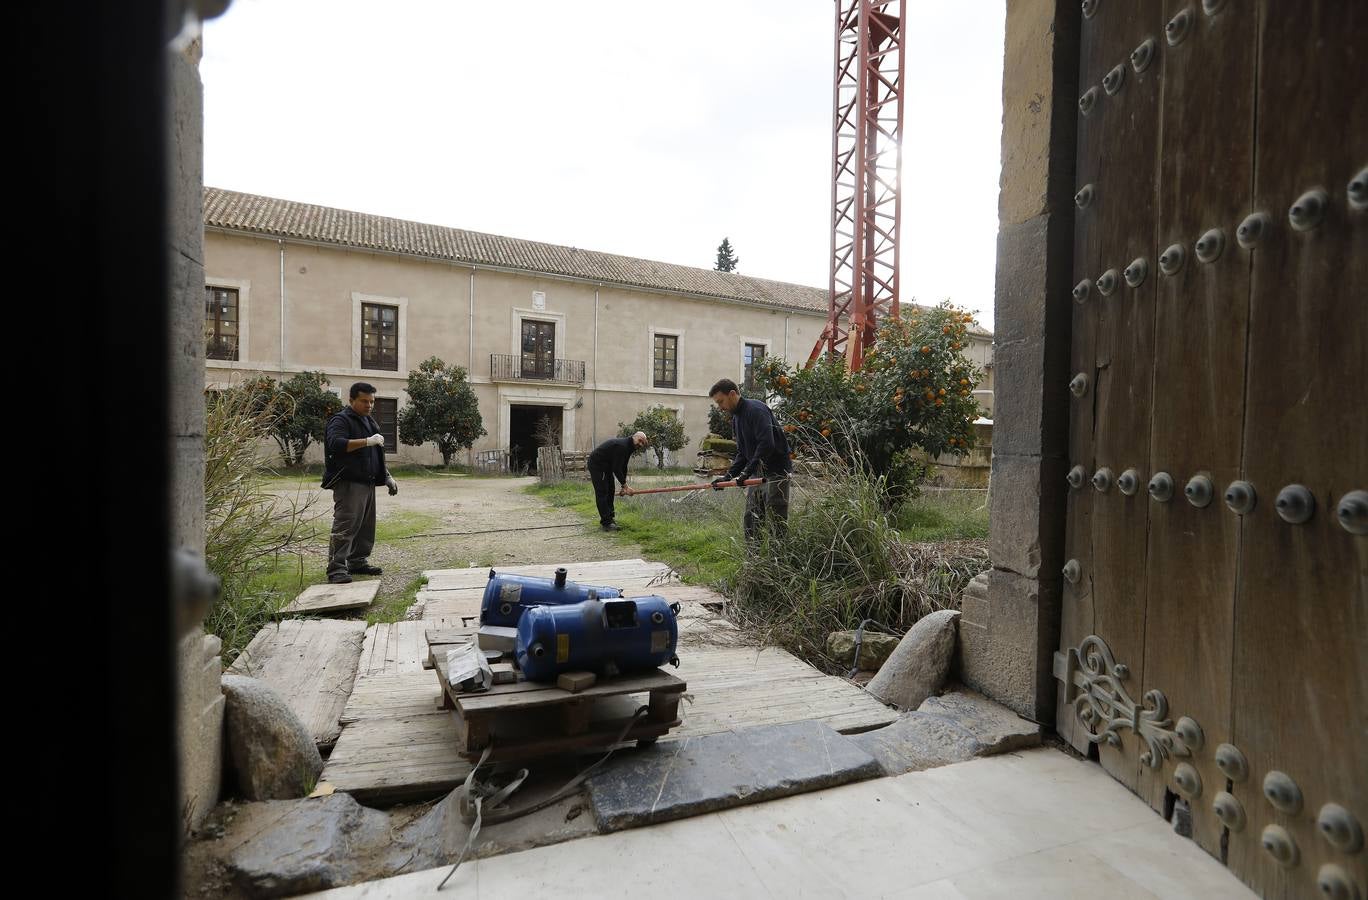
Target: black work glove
719	481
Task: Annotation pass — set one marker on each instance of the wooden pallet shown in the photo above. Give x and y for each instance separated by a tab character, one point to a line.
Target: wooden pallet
528	719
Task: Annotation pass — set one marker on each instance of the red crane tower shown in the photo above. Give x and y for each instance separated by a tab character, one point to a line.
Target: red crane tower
866	156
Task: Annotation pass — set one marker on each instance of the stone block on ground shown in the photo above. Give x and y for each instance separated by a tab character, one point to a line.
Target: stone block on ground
920	663
270	753
953	727
278	848
308	845
719	771
996	728
875	648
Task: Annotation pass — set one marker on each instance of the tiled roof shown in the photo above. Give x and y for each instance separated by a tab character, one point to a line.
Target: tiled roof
234	211
252	213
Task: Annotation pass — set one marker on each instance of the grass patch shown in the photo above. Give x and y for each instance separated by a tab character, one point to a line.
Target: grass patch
845	557
941	515
694	533
313	473
280	579
845	560
253	537
395	608
257	599
403	524
649	468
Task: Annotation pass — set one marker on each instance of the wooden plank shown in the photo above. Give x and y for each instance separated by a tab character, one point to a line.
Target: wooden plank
391	658
739	687
320	598
395	647
413	647
607	572
368	650
746	708
312	664
546	731
1128	126
1205	175
1301	618
373	652
479	573
397	759
387	695
463	604
436	636
690	593
519	696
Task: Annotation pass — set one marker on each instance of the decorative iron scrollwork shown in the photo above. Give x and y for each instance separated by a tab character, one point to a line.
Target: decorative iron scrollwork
1102	703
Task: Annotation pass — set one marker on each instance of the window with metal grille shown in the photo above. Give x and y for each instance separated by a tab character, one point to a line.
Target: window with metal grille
751	355
386	415
220	323
379	337
666	369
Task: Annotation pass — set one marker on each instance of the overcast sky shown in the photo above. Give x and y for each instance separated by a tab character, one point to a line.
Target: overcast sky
644	128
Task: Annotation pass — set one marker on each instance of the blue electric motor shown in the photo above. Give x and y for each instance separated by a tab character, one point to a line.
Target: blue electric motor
605	636
506	596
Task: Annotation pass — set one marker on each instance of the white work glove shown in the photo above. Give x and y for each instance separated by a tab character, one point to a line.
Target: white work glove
392	485
375	440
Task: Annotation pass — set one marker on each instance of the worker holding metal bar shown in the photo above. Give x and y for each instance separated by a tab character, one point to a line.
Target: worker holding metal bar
761	449
609	460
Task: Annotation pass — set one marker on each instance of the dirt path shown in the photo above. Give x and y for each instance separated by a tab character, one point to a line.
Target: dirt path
501	525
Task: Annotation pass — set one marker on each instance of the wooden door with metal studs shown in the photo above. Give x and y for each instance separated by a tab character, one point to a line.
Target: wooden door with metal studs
1214	628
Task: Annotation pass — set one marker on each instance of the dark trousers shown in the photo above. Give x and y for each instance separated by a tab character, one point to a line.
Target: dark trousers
766	501
603	494
353	529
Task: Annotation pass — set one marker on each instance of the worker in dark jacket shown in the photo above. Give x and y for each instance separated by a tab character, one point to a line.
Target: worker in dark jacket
609	461
761	449
353	466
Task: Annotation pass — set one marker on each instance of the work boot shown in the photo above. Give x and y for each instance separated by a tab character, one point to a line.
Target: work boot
339	578
612	526
364	569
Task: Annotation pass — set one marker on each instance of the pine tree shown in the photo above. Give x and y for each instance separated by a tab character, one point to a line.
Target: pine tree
726	259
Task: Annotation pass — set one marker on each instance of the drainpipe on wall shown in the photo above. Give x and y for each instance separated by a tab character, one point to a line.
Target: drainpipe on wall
282	309
470	368
786	321
593	410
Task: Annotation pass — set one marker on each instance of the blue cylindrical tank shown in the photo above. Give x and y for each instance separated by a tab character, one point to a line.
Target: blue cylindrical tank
506	596
606	636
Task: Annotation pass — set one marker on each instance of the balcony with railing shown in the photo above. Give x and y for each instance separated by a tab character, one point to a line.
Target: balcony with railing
512	367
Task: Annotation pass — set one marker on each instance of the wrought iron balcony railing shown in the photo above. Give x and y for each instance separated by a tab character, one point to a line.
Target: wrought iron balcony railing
512	367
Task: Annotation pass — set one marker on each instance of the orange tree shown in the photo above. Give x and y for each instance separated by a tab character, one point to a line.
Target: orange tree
914	392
